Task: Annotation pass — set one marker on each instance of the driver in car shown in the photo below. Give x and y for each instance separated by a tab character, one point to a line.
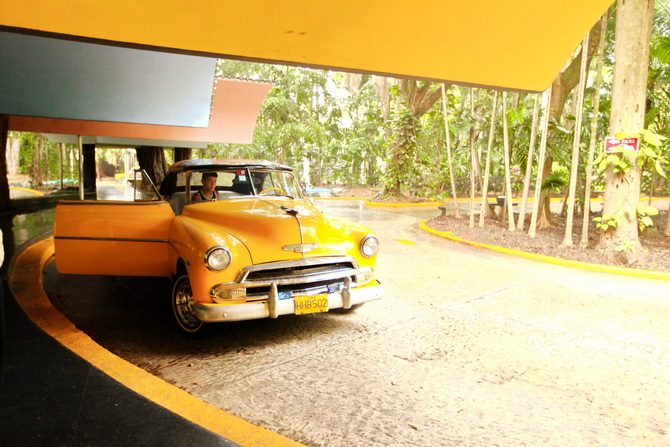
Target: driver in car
208	191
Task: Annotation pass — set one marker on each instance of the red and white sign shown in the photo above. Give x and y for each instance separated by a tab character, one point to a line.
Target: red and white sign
619	145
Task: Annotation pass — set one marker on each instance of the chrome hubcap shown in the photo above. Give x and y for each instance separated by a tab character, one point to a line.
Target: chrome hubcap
183	306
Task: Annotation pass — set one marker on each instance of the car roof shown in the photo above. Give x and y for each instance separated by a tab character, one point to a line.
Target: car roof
224	163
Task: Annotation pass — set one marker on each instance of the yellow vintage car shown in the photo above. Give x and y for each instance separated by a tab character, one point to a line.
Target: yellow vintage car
237	238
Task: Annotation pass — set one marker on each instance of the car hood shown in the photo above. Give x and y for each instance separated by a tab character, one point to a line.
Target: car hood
273	229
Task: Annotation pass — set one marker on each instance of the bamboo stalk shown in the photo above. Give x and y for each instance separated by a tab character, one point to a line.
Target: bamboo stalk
487	169
508	177
449	160
529	163
584	241
540	163
574	170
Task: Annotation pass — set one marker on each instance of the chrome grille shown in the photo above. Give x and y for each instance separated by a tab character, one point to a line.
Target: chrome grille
304	277
282	273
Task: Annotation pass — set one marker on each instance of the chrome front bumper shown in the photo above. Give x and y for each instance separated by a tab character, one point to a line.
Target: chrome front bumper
274	307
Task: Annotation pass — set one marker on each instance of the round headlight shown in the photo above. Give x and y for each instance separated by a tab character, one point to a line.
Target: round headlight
369	246
218	258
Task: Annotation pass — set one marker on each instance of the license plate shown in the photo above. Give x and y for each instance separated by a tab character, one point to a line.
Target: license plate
311	304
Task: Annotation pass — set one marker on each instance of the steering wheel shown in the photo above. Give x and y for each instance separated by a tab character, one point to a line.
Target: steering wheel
281	191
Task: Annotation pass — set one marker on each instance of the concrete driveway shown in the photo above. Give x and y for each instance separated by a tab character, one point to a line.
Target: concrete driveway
466	348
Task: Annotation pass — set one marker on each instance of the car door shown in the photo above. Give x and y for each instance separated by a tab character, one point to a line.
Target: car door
96	237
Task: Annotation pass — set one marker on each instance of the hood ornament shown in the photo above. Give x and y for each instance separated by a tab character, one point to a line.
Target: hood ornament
301	248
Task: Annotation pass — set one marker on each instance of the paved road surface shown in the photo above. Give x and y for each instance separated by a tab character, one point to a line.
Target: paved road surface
467	348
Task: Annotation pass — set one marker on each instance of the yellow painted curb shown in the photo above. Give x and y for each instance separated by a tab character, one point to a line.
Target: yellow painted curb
407	205
32	191
491	201
649	274
338	198
26	283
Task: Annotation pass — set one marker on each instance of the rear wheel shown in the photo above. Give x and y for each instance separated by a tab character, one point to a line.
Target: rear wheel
182	306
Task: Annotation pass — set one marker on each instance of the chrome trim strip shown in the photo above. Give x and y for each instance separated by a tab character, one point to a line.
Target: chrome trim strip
110	202
211	313
109	239
301	248
298	279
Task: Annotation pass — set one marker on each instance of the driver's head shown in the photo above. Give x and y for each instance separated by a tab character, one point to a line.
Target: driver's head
209	180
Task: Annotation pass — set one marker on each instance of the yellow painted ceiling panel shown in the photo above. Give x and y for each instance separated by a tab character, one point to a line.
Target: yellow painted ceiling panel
518	44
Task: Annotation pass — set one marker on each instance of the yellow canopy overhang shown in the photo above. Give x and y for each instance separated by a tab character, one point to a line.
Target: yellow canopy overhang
519	45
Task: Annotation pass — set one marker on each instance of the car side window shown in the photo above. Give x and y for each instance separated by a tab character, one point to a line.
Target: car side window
229	183
144	188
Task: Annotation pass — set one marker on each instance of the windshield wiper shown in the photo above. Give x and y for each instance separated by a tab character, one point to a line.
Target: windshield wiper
291	211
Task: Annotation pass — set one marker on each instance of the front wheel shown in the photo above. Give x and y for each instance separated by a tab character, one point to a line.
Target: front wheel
182	306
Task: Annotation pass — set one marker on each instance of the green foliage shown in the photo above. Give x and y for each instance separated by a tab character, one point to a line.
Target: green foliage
607	221
555	181
314	117
648	155
644	214
40	159
401	169
625	246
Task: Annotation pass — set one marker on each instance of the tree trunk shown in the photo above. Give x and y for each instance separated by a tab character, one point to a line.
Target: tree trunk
566	81
5	201
544	209
576	142
473	160
529	164
13	156
152	160
414	101
584	242
449	159
629	91
508	178
474	136
36	167
487	170
182	153
540	164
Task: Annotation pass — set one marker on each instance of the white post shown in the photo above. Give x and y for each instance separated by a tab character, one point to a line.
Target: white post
61	160
81	167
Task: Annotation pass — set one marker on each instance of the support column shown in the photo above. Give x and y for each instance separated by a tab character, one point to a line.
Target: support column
89	175
5	201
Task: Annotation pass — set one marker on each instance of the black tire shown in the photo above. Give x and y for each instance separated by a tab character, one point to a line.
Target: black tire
182	307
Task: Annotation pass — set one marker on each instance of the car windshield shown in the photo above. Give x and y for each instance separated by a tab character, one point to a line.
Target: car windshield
275	183
242	182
